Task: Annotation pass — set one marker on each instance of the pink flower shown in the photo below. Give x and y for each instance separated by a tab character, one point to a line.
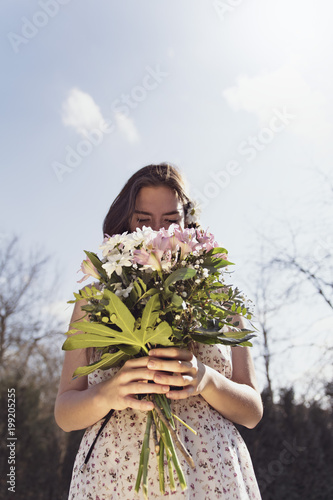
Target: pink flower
88	268
206	240
151	259
187	241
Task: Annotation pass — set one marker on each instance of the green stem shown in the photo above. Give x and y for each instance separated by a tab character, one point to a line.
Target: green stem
175	460
184	423
163	403
161	467
171	476
144	348
144	457
174	437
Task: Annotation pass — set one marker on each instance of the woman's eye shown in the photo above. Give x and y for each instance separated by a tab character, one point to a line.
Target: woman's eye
172	221
142	220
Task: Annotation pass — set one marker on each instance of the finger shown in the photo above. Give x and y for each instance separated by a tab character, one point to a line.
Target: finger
134	374
173	366
137	404
183	394
177	380
137	362
171	352
144	388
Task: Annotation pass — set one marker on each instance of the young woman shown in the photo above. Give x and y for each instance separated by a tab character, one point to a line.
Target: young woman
217	386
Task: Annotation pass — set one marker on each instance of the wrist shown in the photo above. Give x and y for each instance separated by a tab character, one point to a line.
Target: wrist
208	381
103	397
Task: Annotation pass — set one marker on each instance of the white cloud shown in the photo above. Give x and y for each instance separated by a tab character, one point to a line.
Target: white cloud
81	112
284	87
127	127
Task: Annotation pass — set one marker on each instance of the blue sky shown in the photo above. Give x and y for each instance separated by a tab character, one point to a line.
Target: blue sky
237	94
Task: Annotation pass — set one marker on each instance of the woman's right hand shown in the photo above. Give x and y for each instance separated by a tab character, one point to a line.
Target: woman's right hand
119	392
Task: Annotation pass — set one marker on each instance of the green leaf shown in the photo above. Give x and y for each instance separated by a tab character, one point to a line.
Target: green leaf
183	273
160	335
176	300
215	250
129	349
107	361
237	335
123	317
90	327
148	293
84	340
150	313
216	339
141	283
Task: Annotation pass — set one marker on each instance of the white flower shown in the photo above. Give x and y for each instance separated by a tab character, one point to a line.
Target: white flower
205	272
132	240
115	263
193	211
108	245
166	265
122	292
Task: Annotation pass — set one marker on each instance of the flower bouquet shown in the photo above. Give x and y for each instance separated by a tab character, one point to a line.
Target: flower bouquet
157	289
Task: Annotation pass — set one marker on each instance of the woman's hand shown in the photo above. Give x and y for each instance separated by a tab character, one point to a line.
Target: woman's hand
132	380
180	368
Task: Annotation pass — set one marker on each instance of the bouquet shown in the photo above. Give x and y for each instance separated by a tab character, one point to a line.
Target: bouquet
157	289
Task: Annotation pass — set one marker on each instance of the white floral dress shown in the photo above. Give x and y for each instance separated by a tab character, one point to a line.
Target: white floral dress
223	464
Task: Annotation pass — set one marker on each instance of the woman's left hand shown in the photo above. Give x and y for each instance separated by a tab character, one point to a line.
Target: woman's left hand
179	368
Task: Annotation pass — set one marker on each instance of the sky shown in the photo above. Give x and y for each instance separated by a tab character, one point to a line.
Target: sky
235	93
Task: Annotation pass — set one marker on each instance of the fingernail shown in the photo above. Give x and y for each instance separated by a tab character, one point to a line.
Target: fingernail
151	352
165	388
151	364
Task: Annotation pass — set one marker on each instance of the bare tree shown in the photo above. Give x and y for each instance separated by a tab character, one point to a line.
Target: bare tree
25	326
296	270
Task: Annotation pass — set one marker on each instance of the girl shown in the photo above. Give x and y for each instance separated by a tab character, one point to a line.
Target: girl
217	386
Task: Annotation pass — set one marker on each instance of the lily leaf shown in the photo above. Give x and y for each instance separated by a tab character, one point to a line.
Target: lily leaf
90	327
107	361
220	339
184	273
176	300
121	315
84	340
160	335
150	313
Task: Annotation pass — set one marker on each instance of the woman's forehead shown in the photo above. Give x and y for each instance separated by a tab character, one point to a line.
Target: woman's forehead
157	198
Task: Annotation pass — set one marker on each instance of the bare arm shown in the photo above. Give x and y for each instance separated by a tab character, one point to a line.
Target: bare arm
237	399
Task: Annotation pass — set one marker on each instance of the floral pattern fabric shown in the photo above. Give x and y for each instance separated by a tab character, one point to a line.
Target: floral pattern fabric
223	464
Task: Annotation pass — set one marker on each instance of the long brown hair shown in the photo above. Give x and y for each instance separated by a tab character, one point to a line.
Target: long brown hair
118	217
